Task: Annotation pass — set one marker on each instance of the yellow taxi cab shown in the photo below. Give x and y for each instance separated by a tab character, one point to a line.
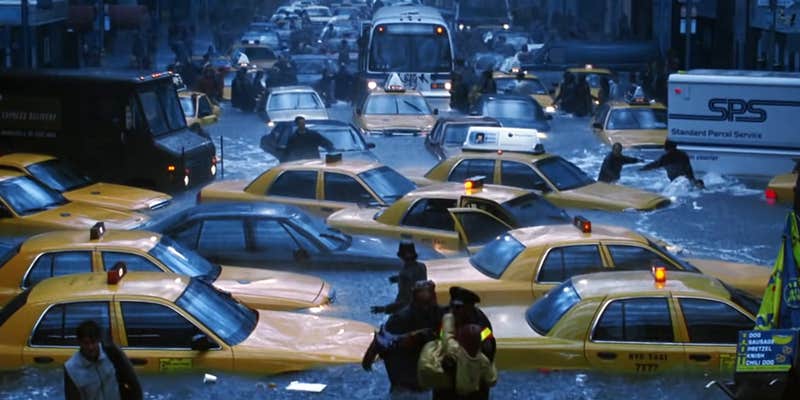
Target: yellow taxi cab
592	76
319	186
62	177
451	217
520	82
781	188
28	207
394	110
522	162
636	123
60	253
654	323
198	109
170	323
524	264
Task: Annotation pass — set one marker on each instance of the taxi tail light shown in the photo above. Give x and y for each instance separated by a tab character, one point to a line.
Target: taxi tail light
770	194
214	160
97	231
583	224
171	168
475	182
660	274
439	30
115	274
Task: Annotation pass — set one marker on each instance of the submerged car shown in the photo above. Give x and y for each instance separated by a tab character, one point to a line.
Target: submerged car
513	111
71	252
449	134
346	139
198	109
638	123
526	85
28	207
321	187
170	323
263	235
526	263
394	112
781	188
626	322
285	103
64	178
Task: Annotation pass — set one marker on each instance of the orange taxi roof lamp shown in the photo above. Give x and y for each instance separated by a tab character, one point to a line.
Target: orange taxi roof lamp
114	275
475	182
660	274
583	224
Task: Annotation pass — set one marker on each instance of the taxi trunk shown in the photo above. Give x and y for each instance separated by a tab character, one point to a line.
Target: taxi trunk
274	290
119	197
604	196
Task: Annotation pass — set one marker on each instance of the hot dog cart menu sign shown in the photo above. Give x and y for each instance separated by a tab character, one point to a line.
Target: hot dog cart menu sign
766	351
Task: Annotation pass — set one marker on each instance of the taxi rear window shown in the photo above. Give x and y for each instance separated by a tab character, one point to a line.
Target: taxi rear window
493	259
15	304
546	312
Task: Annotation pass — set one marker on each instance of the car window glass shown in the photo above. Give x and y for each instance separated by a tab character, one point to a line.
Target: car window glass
187	234
632	258
156	326
468	168
300	184
635	320
271	236
480	228
520	175
455	134
222	235
204	107
59	264
57	327
432	214
710	321
565	262
135	263
340	187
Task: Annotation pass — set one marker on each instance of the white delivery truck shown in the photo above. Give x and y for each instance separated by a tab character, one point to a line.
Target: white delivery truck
733	122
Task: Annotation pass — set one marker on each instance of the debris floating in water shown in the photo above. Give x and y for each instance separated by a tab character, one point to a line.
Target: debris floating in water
306	387
208	378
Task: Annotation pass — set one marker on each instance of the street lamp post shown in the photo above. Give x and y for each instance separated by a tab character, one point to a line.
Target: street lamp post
26	36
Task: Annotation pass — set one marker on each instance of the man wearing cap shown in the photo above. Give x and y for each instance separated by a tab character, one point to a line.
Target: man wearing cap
463	312
400	341
413	271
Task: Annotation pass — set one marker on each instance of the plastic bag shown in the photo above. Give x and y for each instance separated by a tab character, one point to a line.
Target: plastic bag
430	374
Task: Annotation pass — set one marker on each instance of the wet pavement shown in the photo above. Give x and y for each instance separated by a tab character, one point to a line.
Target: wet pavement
729	220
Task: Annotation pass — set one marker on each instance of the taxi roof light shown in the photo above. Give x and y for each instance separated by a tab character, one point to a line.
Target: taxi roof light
475	182
333	157
583	224
115	274
97	231
659	273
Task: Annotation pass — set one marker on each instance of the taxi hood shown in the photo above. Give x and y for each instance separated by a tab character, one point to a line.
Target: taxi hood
290	115
390	123
508	321
119	197
274	290
294	342
615	197
751	278
632	138
352	216
451	271
82	216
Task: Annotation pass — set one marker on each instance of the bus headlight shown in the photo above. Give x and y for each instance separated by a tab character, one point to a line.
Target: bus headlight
461	27
186	180
506	26
550	109
372	85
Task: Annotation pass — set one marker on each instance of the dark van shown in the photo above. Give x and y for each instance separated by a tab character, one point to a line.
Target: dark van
116	128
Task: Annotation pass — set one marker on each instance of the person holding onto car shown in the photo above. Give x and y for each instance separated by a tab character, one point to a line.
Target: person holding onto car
412	272
304	143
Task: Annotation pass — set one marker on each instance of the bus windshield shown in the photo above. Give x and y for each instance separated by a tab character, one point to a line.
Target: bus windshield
410	48
482	9
161	109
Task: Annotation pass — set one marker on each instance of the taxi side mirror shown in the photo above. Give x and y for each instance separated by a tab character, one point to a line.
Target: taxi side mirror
201	342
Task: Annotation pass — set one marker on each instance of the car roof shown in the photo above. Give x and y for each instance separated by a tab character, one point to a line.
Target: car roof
623	104
55	240
351	165
8	174
380	91
565	233
626	283
24	159
506	155
455	190
584	70
501	97
226	209
316	122
291	89
161	285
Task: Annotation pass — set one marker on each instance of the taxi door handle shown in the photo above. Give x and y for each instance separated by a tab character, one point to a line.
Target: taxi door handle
605	355
42	360
138	361
699	357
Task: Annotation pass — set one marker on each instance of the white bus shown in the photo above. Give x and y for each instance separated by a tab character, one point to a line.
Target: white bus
413	41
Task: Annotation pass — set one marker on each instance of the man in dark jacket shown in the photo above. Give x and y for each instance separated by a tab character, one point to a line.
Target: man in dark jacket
304	143
676	163
612	164
98	371
400	341
413	271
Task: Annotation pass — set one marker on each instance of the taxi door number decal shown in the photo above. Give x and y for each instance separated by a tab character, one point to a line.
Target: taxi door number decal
654	361
174	364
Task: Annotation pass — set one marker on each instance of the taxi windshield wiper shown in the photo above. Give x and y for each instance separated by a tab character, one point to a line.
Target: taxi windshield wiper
412	106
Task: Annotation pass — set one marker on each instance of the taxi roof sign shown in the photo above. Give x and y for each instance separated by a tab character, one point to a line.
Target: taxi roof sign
115	274
97	231
394	83
494	138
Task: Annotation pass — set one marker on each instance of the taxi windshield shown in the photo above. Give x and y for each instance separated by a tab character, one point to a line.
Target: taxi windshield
294	101
183	261
59	175
685	265
227	318
547	311
563	174
387	183
406	47
532	210
26	196
332	239
161	109
495	257
637	118
344	138
188	106
515	109
520	86
397	104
